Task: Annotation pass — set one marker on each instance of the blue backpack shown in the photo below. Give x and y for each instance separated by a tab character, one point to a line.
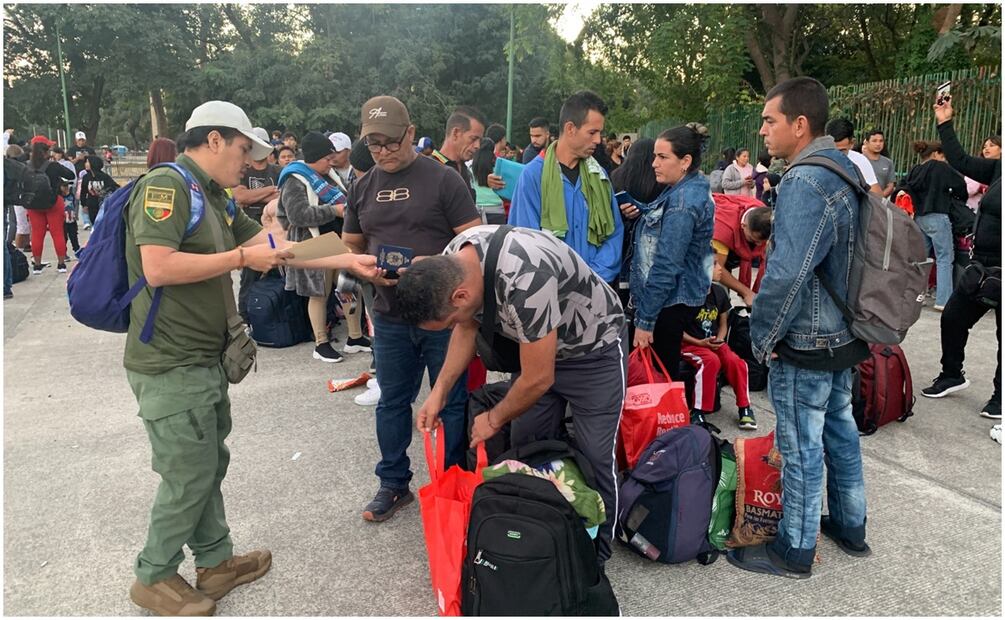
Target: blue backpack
666	502
98	287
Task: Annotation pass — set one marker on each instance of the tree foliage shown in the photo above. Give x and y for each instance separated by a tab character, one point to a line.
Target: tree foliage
311	66
293	67
690	57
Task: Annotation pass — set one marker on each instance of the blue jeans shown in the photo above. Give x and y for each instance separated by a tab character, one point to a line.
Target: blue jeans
939	233
402	353
814	426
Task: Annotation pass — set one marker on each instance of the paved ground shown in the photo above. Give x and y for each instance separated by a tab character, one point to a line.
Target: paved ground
78	487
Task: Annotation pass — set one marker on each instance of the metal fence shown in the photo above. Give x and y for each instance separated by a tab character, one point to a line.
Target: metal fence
901	108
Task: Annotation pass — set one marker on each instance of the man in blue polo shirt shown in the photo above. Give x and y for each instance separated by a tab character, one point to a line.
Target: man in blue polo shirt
565	191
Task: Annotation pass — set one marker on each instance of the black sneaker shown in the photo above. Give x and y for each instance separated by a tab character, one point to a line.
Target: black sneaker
944	386
61	268
8	295
357	345
387	502
327	353
745	419
993	409
37	269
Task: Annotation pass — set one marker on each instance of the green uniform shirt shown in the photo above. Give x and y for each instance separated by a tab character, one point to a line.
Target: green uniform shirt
191	325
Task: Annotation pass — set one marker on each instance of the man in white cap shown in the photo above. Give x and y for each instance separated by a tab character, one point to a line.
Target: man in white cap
79	151
340	160
178	374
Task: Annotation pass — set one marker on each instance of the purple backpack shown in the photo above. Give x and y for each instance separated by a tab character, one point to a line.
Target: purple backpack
98	287
666	502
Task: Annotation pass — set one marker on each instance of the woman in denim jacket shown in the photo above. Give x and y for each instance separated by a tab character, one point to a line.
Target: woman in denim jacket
672	266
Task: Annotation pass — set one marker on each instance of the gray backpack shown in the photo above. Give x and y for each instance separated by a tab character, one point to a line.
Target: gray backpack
715	181
889	266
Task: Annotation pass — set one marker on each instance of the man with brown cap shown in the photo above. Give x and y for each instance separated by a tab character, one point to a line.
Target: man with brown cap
412	202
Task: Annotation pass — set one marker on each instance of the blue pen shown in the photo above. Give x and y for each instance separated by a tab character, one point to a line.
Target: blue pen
272	244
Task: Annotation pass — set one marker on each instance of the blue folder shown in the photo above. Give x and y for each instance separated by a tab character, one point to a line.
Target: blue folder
509	171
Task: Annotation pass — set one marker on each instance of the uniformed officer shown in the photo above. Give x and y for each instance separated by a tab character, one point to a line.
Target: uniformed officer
177	377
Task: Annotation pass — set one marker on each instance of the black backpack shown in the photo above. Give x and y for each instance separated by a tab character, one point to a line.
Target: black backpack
278	318
528	553
39	187
19	264
480	401
738	339
15	188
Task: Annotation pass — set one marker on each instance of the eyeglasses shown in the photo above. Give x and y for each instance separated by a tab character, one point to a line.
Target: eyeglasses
392	147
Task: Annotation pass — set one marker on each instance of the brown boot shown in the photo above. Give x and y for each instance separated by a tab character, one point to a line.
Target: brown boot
216	582
172	597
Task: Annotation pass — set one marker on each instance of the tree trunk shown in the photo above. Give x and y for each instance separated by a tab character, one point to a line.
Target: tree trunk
867	43
92	110
757	55
781	24
945	18
158	116
240	25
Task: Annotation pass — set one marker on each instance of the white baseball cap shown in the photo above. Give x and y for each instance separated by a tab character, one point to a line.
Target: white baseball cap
340	141
80	135
226	114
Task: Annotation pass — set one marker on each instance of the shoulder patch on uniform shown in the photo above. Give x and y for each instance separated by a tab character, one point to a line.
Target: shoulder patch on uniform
158	203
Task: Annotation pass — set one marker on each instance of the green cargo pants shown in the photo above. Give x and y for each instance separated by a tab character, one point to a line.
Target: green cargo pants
186	412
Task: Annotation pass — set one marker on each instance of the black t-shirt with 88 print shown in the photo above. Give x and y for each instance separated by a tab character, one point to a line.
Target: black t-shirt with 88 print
417	207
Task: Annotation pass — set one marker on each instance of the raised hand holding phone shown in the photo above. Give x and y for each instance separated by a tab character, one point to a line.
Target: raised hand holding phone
943	104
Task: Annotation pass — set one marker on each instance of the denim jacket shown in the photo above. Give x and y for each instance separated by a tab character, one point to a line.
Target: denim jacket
673	250
815	222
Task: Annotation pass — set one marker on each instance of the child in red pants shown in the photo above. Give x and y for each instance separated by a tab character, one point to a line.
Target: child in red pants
704	347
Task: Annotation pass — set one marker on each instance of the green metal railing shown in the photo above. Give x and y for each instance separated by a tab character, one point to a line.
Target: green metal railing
901	108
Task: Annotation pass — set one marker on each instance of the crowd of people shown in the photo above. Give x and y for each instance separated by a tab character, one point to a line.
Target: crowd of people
611	245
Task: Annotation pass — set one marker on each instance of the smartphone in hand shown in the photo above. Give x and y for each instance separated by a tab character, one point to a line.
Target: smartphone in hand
942	93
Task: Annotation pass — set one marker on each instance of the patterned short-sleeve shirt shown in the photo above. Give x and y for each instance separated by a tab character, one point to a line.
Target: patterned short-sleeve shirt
542	285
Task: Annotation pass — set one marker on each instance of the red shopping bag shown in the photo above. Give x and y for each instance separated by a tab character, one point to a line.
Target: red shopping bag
642	372
650	409
445	504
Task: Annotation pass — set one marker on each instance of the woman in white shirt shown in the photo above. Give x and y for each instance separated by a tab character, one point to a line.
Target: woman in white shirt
738	178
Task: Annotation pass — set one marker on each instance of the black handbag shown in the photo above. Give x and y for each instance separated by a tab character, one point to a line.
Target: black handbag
982	284
498	353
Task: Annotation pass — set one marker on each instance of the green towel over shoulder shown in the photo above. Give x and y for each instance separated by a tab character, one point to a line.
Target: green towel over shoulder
596	188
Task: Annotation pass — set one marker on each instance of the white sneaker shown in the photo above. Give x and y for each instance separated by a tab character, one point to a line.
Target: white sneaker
369	398
372	383
996	433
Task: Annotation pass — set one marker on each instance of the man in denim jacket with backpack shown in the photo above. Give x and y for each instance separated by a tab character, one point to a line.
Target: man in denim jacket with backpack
797	328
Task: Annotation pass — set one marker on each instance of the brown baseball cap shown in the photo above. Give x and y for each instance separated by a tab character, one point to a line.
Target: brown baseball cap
384	115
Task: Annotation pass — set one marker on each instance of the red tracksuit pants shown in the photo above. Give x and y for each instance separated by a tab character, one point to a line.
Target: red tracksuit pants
708	363
50	221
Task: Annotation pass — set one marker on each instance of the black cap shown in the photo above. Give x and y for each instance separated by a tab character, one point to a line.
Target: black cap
316	146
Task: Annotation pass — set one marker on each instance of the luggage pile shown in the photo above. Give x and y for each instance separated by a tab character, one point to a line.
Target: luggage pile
516	537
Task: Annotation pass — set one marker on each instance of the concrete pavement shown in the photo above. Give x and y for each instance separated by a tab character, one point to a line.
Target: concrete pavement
78	488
